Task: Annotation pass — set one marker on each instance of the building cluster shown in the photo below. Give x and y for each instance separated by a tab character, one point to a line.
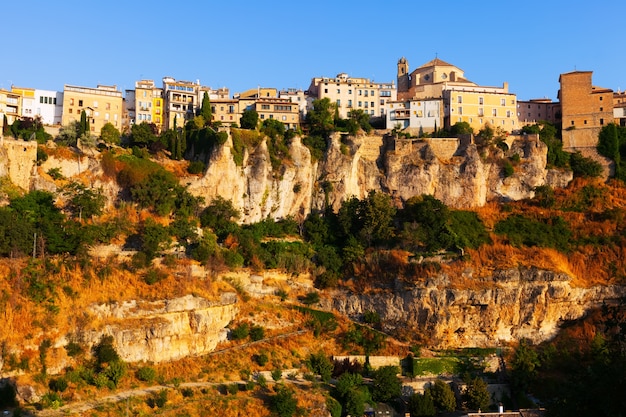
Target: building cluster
433	96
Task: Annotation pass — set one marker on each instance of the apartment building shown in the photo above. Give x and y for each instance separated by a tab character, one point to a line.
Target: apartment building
148	103
530	112
421	115
350	93
10	105
103	104
296	96
281	109
585	109
462	99
28	100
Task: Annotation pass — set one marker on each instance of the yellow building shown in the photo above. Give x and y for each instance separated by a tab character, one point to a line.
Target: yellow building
28	100
149	104
10	105
181	99
102	105
463	100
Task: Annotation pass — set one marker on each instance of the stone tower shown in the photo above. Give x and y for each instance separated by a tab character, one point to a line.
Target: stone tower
403	75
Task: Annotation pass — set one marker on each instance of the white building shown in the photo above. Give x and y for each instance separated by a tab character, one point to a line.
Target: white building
49	105
423	114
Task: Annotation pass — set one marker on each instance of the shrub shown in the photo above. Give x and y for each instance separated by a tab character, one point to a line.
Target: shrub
311	298
146	373
196	167
508	169
277	374
584	167
158	399
284	402
240	332
58	384
261	359
256	333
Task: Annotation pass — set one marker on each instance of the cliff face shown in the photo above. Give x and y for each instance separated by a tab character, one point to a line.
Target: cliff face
459	176
163	330
511	305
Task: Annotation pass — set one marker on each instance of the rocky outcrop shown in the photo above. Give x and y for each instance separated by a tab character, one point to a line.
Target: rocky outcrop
162	330
510	305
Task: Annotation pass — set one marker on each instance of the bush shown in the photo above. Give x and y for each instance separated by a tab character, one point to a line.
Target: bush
240	332
158	399
196	167
58	384
261	359
550	233
146	373
584	167
311	298
284	402
256	333
277	374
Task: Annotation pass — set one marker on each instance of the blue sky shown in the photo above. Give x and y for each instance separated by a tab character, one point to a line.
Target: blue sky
244	44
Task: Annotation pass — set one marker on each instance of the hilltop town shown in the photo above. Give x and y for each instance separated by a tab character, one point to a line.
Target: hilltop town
434	96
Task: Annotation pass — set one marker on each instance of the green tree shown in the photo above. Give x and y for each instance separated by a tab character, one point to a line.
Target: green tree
477	396
154	238
83	126
84	202
461	128
249	119
220	216
205	109
370	220
109	134
320	119
319	364
443	396
283	403
524	365
158	191
584	167
351	393
426	224
142	134
68	135
421	405
385	384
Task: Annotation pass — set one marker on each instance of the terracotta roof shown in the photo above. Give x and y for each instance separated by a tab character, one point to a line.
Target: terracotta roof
437	62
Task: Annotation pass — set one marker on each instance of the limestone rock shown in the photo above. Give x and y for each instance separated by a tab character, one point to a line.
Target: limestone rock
511	305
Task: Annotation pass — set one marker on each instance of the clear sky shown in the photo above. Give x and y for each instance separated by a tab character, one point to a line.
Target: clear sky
244	44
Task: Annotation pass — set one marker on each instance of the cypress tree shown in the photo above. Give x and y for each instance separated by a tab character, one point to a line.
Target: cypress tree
205	110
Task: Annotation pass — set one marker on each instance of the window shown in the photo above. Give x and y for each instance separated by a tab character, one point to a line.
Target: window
508	113
338	103
96	113
366	92
572	123
106	116
372	104
459	99
601	121
480	101
284	118
460	111
262	116
108	106
601	108
349	103
71	102
495	112
366	105
350	91
41	99
326	90
503	102
338	91
70	111
231	109
360	104
601	98
360	92
481	112
585	122
95	104
382	102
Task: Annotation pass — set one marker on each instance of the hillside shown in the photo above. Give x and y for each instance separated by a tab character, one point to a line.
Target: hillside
121	260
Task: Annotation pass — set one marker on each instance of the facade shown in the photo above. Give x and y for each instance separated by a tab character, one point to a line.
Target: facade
28	100
102	105
585	109
148	103
281	109
425	115
296	96
181	101
10	106
462	100
619	108
536	110
226	110
49	106
350	93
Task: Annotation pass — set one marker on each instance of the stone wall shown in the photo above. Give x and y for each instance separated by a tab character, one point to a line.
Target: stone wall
19	159
375	361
